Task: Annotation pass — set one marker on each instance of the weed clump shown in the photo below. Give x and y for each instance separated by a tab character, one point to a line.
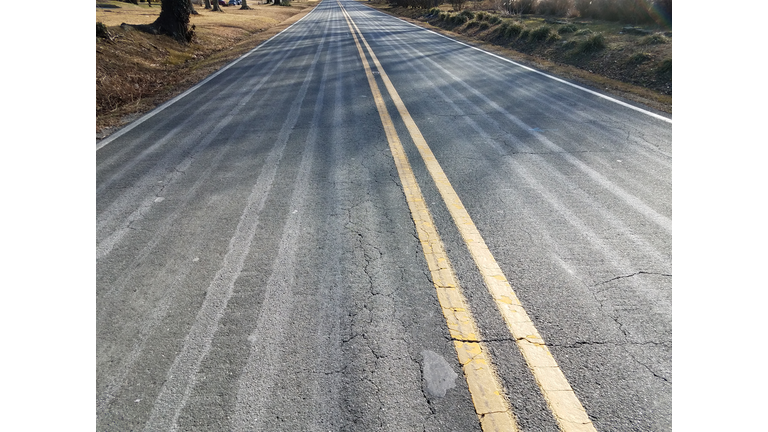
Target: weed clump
469	15
540	34
638	58
594	43
568	28
665	67
458	19
654	39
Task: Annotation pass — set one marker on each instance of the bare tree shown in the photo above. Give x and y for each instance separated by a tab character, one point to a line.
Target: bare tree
173	21
245	5
216	7
208	4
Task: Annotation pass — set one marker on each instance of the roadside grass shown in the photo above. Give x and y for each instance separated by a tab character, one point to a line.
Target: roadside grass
136	71
634	64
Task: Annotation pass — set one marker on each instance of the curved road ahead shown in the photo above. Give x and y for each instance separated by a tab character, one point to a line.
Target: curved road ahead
366	226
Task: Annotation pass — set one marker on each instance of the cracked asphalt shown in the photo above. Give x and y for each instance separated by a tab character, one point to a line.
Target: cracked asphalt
258	267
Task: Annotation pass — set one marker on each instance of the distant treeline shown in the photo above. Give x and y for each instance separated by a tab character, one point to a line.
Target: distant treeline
626	11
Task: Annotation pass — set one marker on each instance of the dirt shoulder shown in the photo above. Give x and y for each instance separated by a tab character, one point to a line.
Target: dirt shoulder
632	65
135	71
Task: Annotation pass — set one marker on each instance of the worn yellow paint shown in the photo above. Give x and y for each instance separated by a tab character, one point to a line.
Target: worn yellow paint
565	406
491	406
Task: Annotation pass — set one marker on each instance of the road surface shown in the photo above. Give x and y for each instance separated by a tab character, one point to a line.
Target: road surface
364	225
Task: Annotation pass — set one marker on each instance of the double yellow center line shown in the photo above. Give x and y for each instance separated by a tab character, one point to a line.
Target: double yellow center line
491	406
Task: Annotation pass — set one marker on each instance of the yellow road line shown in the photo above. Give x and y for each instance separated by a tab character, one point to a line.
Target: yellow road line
565	406
487	393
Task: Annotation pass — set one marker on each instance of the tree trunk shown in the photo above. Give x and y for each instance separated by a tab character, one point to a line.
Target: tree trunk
216	6
191	8
245	5
173	21
208	4
276	2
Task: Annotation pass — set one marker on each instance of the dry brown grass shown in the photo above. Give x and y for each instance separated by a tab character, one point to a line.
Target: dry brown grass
136	71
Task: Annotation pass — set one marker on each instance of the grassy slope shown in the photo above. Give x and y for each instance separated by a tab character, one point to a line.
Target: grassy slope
136	71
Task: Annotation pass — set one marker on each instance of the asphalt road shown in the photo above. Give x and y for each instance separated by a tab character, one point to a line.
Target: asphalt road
260	264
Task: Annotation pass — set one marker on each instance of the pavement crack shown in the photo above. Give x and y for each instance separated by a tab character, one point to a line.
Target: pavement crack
631	275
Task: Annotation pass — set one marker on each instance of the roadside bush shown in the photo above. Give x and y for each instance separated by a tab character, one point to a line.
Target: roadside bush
540	34
568	28
594	43
559	8
469	15
514	30
518	7
472	24
627	11
481	16
583	32
458	4
494	19
484	26
525	34
458	19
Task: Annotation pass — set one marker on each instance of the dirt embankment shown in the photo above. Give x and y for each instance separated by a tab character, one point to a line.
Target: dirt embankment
136	71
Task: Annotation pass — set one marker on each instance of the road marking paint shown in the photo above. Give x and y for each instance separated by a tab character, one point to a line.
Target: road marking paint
565	406
491	406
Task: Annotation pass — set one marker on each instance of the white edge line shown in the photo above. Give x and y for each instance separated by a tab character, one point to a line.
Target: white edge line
152	113
654	115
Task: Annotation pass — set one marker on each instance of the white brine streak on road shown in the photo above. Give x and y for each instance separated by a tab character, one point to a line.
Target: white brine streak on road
181	377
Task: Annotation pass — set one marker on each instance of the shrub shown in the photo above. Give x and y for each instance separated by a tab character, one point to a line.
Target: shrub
541	33
458	4
555	7
514	30
594	43
525	34
472	24
484	26
443	16
583	32
568	28
481	16
458	19
468	14
494	19
520	6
